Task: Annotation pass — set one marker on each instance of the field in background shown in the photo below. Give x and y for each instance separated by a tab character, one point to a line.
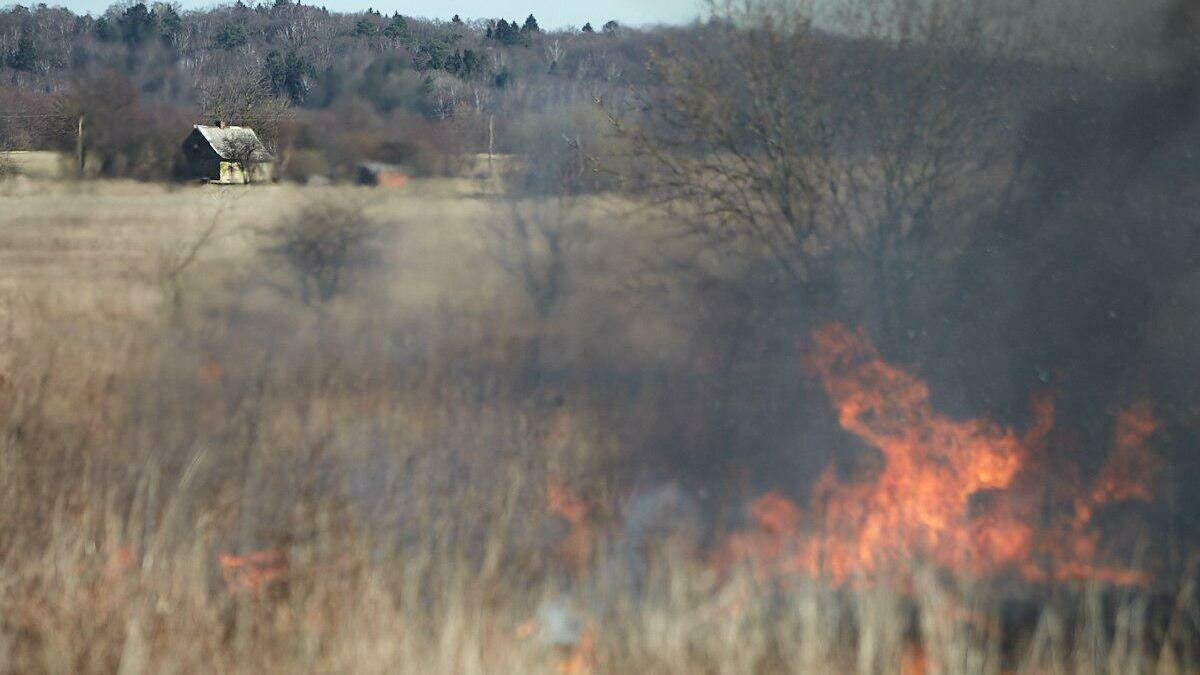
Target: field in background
99	246
38	164
198	471
96	251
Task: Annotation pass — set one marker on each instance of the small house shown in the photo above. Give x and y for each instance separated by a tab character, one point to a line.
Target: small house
379	174
227	154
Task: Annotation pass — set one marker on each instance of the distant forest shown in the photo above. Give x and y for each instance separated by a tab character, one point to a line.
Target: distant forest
324	88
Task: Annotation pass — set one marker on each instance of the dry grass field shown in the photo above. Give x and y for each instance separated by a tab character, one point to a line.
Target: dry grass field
200	472
98	249
100	245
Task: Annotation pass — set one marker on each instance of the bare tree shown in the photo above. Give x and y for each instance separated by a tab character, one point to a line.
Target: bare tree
535	239
554	51
536	242
728	142
230	89
444	96
247	152
928	109
770	138
274	122
325	246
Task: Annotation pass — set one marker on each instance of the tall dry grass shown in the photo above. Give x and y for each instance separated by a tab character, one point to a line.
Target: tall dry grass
239	482
413	536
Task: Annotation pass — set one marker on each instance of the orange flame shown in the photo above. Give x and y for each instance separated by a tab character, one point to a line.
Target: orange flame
255	571
948	492
767	547
1130	468
934	465
121	562
913	660
576	547
210	372
582	658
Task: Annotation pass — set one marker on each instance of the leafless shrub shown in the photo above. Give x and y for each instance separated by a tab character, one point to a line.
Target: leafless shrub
534	243
325	246
174	265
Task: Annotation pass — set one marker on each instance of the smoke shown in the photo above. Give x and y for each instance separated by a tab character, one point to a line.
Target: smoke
1096	237
1077	279
1083	281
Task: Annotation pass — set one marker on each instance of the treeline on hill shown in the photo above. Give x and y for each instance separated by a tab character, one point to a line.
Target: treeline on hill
324	89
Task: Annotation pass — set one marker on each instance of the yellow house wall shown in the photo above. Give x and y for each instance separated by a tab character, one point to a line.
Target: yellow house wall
231	172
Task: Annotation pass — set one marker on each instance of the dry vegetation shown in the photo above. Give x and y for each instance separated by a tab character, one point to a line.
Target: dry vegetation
800	350
202	472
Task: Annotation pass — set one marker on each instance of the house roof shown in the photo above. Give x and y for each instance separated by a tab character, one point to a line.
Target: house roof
226	140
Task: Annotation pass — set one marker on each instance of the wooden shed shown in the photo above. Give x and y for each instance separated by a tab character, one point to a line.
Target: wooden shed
227	154
380	175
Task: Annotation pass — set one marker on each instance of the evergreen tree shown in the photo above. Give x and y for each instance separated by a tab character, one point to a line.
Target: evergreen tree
105	32
508	34
472	63
531	25
465	63
232	35
587	28
454	63
431	56
397	29
502	32
137	24
170	25
502	78
288	75
365	26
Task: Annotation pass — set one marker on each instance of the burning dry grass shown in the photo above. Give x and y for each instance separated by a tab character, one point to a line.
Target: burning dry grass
922	503
246	485
145	544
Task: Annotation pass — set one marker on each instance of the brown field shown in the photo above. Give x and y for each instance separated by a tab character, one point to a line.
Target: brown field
104	242
199	473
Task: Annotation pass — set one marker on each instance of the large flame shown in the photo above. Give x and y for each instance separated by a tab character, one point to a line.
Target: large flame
950	492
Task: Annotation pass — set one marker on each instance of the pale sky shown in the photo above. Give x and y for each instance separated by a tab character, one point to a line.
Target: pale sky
550	14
